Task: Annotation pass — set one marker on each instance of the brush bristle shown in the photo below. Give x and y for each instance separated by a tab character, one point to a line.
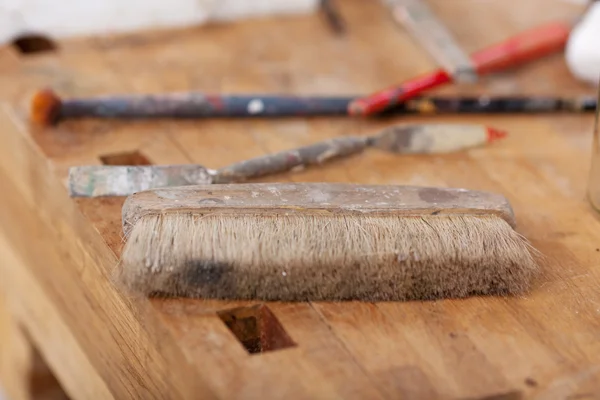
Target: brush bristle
45	107
308	257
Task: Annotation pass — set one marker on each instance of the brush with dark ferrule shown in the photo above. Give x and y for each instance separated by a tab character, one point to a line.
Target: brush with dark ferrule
47	108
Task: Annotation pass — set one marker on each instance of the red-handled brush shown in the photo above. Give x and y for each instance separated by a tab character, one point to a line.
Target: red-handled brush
529	45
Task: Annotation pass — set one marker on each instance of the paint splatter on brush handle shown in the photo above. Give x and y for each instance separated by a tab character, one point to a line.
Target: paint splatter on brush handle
317	153
406	139
196	105
433	138
47	108
104	180
495	105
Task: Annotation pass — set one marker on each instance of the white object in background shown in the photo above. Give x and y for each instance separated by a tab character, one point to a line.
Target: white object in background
582	2
65	18
583	48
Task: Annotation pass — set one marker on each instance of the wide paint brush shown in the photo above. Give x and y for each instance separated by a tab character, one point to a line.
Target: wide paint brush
322	241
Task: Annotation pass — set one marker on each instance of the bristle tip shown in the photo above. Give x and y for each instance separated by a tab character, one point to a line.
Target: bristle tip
45	107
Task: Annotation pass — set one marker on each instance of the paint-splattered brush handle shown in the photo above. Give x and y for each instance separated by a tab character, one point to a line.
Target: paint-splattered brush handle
494	105
434	138
405	139
270	164
111	180
48	108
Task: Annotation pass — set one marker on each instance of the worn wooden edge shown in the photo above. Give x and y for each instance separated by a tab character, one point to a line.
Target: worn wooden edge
23	373
325	199
40	323
39	199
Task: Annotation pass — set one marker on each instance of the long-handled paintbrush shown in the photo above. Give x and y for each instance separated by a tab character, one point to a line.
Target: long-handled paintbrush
47	108
100	180
322	241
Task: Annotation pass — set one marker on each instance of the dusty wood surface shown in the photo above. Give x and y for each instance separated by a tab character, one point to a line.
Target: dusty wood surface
102	343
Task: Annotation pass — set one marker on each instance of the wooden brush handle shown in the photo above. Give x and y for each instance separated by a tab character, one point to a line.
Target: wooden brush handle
316	153
315	198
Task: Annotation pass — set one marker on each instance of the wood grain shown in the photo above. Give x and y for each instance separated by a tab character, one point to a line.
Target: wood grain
103	343
25	375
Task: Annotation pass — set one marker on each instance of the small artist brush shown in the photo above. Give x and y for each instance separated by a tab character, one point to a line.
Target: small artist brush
95	181
527	46
48	108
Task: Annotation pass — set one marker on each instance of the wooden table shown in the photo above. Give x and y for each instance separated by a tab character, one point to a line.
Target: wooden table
56	291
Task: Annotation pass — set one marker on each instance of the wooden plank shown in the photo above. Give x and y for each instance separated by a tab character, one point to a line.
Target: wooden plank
24	375
23	370
76	278
14	356
543	345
